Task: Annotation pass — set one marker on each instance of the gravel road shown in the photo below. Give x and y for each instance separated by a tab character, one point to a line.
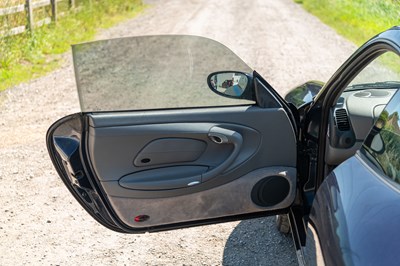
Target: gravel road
40	222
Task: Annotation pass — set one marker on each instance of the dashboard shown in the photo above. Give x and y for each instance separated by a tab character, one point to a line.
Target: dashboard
351	119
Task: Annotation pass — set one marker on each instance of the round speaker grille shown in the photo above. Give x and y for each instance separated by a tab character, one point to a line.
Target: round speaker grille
270	191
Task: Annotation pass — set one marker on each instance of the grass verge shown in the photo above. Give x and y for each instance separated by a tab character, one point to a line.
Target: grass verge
31	55
357	20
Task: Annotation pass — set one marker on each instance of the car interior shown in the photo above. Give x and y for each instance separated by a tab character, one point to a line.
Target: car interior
358	107
153	163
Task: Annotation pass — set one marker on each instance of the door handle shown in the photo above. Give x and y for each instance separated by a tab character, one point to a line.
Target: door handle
223	136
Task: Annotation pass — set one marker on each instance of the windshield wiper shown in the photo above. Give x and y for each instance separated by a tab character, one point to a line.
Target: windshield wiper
375	85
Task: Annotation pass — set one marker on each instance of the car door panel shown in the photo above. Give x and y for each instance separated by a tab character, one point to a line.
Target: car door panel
170	167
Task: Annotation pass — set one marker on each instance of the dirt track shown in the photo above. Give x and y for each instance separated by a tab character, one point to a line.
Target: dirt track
40	222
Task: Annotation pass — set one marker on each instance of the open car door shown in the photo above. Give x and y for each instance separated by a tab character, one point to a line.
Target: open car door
155	148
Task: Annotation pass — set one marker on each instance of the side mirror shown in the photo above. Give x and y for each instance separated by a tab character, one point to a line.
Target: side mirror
374	139
304	93
231	84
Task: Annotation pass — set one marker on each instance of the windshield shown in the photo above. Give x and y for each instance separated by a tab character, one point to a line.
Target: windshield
382	73
151	72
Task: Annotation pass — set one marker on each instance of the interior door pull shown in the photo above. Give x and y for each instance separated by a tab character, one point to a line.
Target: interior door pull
223	136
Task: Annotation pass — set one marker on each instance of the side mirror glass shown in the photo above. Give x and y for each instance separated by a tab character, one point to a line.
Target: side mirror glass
230	84
377	144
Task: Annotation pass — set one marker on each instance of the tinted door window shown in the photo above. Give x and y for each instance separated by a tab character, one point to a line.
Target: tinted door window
152	72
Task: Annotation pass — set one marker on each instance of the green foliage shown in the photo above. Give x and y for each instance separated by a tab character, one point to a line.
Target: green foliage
30	55
357	20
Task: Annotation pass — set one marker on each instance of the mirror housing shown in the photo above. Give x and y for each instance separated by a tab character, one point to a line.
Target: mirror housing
304	93
232	84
